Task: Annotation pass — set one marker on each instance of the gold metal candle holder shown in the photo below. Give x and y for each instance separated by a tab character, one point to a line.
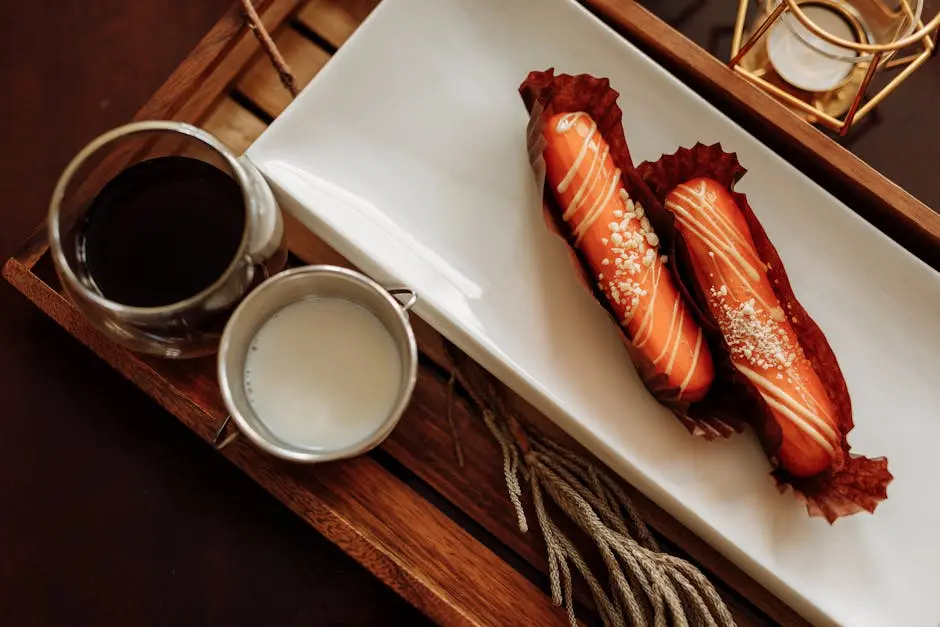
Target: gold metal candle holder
836	70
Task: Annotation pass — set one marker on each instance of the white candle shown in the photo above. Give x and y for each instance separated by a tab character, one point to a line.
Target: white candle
805	60
323	374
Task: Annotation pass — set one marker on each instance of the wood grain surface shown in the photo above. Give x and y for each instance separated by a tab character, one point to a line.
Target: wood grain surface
443	536
111	512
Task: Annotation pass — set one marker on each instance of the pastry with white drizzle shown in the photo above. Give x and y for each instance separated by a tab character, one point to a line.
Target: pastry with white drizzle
762	343
773	363
614	236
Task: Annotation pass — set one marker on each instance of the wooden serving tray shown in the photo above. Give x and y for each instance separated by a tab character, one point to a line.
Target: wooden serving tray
443	535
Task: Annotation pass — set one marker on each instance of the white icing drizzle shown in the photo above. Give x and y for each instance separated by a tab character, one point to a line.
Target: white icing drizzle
678	342
694	366
648	314
565	124
723	247
593	175
751	327
594	213
707	200
672	327
801	416
718	239
566	121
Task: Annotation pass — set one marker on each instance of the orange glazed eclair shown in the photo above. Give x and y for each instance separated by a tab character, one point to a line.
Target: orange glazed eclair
762	343
619	245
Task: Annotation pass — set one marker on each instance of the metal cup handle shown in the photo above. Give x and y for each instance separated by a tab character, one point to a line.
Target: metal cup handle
218	441
404	291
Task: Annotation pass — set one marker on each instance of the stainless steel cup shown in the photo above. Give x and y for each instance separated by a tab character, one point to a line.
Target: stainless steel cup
290	287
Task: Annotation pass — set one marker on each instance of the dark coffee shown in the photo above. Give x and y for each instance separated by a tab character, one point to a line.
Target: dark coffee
161	231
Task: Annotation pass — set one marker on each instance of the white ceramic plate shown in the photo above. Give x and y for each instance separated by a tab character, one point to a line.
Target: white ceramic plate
407	154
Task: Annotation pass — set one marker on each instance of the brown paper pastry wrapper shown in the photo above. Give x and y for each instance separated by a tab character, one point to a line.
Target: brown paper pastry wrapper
854	483
546	94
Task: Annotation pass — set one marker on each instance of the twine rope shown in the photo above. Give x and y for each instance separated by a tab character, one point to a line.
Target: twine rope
253	20
645	584
645	587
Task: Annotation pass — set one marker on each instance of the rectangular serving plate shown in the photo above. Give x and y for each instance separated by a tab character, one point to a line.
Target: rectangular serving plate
407	154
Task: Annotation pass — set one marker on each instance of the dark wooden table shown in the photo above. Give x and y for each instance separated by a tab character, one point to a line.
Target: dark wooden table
112	511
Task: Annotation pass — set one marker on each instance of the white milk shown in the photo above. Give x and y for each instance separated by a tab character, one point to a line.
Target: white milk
323	373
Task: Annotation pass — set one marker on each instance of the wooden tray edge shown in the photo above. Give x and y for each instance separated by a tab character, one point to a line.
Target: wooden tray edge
887	206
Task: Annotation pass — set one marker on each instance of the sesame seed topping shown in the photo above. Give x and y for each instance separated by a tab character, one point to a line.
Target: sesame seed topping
605	262
652	239
618	213
600	276
638	210
614	227
616	238
663	259
645	224
604	241
624	195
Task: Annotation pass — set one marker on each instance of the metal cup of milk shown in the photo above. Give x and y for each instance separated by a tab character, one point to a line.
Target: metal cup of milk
318	363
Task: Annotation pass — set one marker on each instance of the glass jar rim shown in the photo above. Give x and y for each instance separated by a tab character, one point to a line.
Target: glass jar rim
53	219
867	49
845	12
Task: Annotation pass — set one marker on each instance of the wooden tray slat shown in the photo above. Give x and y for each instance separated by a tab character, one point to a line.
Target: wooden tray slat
333	20
261	83
235	125
207	73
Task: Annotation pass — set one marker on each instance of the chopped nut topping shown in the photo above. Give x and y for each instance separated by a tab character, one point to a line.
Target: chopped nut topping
752	333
